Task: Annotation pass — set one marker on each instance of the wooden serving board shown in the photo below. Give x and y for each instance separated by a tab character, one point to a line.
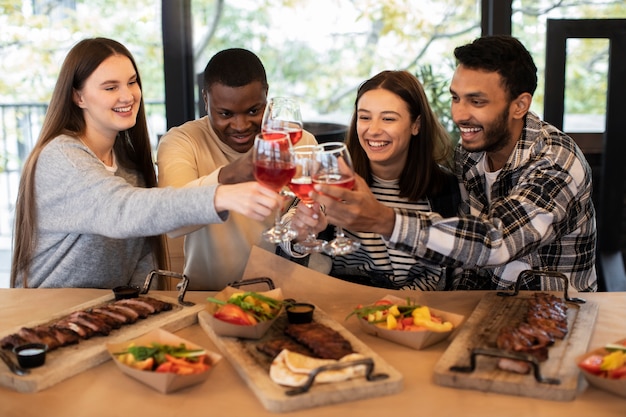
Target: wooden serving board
70	360
253	366
480	330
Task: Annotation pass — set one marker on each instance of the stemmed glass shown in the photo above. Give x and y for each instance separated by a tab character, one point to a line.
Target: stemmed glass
334	167
273	167
282	114
302	184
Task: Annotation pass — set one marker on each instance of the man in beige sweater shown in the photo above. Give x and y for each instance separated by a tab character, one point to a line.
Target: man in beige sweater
217	149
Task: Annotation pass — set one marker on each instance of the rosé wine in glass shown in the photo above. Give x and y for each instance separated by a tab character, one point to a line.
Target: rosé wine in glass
282	114
302	184
334	167
274	174
274	166
338	180
301	187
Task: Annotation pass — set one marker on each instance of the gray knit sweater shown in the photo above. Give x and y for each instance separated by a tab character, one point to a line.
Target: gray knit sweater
92	222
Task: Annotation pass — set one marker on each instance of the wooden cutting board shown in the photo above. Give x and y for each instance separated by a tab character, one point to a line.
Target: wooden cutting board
253	366
480	330
68	361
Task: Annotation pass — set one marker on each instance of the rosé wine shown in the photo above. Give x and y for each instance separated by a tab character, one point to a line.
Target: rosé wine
274	174
301	187
338	180
293	130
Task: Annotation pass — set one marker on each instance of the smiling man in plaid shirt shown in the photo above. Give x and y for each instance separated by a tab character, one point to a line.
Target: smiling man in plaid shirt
526	186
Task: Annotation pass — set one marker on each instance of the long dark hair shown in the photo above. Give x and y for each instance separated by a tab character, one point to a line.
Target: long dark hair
429	162
132	146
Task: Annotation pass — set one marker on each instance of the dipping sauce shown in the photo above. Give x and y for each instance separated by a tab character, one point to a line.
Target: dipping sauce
31	355
31	352
126	291
298	313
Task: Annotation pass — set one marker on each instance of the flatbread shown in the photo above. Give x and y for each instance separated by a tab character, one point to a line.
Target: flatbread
292	369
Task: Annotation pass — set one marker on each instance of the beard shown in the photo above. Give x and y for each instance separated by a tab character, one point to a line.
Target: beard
497	134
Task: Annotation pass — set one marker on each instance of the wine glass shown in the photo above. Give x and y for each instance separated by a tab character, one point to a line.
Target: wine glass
274	167
334	167
301	184
282	114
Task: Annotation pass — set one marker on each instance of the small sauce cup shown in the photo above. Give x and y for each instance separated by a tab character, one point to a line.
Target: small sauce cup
126	291
31	355
298	313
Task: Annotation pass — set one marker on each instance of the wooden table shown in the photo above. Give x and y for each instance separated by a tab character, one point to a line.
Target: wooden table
105	391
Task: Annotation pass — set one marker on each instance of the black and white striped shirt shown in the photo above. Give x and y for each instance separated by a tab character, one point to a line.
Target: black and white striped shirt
375	259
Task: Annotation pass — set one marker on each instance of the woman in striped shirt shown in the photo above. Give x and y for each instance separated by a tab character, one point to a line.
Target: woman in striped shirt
404	154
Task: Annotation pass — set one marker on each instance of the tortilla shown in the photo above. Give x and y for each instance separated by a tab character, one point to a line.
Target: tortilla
292	369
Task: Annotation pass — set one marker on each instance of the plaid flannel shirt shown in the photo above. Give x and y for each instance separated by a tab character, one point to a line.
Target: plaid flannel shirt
541	217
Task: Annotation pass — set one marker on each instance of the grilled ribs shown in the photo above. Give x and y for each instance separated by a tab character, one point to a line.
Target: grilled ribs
545	321
273	347
323	341
83	324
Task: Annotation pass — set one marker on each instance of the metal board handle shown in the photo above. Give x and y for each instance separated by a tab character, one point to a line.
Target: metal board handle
181	286
519	356
259	280
369	375
532	273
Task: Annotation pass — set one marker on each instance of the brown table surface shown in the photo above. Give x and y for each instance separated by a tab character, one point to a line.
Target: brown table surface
105	391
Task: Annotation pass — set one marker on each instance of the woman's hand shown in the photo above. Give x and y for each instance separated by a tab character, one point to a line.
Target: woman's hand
307	219
248	198
357	209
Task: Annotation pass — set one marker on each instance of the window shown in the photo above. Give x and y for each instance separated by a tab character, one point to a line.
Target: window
318	50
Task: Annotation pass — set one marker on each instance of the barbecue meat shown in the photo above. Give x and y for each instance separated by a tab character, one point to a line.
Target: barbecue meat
545	321
82	330
83	324
273	347
12	340
142	309
119	317
157	305
130	314
30	335
64	336
89	320
323	341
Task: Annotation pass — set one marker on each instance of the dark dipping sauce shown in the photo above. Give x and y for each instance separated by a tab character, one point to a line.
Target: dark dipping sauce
126	291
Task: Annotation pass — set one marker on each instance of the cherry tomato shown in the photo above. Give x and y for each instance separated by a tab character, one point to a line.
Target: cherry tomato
234	314
591	364
165	367
619	373
407	321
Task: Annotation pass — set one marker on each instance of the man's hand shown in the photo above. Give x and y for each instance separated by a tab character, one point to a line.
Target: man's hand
357	209
240	170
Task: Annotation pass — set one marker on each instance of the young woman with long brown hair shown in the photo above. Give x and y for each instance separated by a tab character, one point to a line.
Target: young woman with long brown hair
88	211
